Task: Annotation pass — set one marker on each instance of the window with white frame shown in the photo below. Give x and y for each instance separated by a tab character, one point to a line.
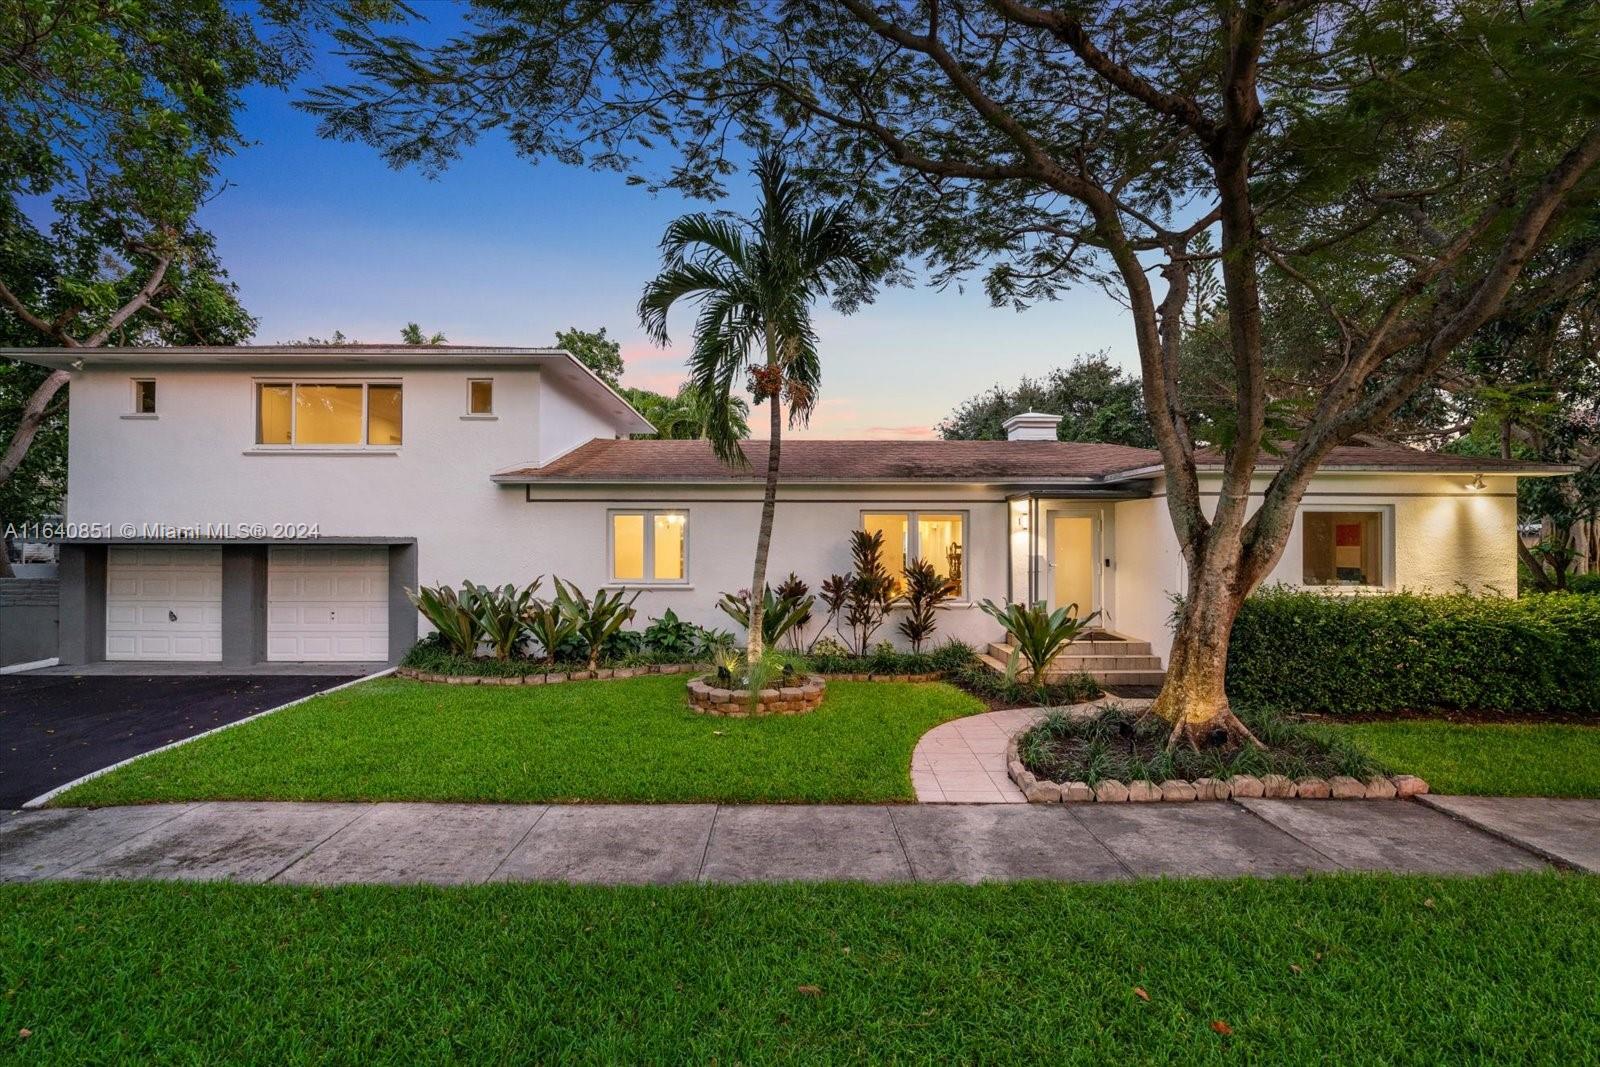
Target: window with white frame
1343	547
939	537
480	396
649	546
333	414
144	396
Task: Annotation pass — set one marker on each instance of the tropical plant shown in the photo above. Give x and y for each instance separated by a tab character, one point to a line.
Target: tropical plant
871	590
501	613
926	590
1038	635
684	415
710	642
755	281
551	626
451	614
412	334
779	614
595	620
794	588
671	636
835	591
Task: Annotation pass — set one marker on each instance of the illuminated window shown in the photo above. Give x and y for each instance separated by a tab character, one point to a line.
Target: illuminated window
480	396
144	396
650	546
1342	547
328	414
938	537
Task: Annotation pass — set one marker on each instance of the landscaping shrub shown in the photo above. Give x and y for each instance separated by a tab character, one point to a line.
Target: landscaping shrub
1585	583
1122	746
1360	655
981	681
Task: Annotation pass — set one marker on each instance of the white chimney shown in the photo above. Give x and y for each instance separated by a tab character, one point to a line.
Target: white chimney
1031	426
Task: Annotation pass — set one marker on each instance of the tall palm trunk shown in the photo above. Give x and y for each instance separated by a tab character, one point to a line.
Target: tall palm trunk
754	646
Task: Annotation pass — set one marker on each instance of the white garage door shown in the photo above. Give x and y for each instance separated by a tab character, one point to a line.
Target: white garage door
328	603
163	602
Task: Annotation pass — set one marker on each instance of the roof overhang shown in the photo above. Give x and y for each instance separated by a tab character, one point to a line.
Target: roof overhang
558	363
1523	469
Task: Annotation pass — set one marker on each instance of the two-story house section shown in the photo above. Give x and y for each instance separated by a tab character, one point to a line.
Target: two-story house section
257	504
264	503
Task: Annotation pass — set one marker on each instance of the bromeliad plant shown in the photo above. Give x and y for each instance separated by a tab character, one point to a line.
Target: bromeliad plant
597	619
1038	635
501	613
451	614
926	590
779	614
550	626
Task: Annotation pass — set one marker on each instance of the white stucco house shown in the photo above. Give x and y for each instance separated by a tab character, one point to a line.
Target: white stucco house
272	503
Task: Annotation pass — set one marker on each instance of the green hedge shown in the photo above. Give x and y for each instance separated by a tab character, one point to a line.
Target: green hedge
1406	652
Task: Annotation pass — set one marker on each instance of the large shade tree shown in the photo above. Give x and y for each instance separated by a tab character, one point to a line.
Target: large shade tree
113	121
754	282
1408	171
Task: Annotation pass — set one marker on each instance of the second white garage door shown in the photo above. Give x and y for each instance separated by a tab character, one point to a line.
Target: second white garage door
328	603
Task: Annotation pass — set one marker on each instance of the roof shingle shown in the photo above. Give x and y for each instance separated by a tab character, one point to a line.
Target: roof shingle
804	460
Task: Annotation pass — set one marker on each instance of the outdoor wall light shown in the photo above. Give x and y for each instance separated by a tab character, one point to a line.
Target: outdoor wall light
1477	483
1022	520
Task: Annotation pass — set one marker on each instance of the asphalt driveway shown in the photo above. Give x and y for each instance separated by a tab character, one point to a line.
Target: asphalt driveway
57	727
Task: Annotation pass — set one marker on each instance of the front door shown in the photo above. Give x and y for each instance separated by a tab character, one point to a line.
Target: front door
1073	559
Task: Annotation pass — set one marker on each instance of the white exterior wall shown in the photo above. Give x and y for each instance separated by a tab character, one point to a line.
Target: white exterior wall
197	463
565	533
1442	536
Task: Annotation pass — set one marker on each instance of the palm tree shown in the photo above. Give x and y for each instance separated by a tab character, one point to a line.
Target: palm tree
412	334
754	281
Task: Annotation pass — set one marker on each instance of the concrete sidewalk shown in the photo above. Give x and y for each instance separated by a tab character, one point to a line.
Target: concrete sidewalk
473	843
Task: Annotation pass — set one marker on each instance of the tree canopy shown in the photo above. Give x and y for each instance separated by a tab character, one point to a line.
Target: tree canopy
1096	399
594	350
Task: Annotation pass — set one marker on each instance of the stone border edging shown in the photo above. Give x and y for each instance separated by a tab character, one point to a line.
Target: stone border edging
785	700
554	677
1038	791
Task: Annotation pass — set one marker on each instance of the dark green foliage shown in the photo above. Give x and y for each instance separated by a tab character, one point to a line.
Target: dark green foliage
1038	635
671	636
1096	399
451	615
1118	744
597	619
1359	655
501	613
594	350
1584	583
978	679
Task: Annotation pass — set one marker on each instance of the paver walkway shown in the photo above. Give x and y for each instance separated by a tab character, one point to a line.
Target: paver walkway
963	761
473	843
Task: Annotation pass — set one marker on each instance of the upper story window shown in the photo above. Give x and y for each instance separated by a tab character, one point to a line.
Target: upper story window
480	396
650	546
328	414
144	396
1343	548
938	537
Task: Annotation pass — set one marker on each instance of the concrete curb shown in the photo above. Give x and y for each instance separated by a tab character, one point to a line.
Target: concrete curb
44	798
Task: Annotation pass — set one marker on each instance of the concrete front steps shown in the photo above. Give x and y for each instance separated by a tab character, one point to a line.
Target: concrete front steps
1109	658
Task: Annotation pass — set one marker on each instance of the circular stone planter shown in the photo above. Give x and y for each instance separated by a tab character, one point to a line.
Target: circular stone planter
789	700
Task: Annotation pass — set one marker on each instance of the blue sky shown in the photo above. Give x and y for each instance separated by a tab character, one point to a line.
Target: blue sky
322	236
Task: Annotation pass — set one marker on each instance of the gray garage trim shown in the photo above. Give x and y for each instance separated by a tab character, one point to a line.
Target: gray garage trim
28	614
244	596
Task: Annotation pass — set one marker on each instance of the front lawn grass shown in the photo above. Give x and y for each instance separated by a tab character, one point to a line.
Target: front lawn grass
625	740
1341	969
1491	759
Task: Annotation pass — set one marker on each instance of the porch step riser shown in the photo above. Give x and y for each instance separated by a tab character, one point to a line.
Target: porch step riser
1095	648
1104	677
1097	660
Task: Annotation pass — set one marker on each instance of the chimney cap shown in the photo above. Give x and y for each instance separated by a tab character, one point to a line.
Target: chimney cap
1031	426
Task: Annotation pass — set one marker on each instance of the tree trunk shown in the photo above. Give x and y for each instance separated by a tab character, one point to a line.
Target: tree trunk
769	502
1194	697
